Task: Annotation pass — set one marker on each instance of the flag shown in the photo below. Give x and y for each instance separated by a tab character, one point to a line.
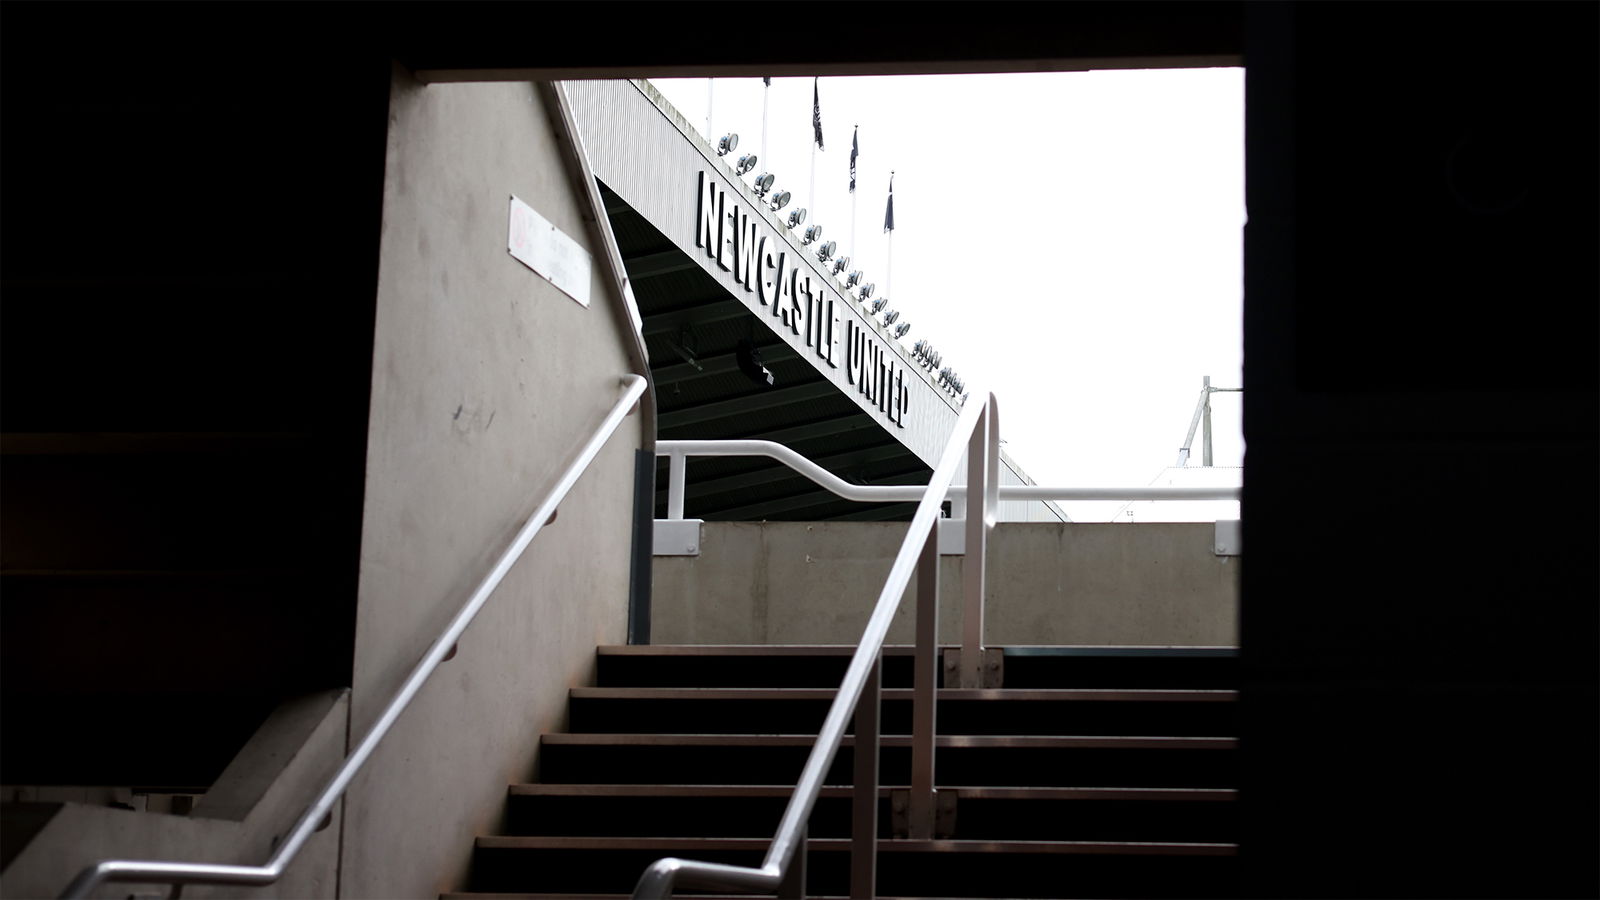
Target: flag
888	213
855	147
767	82
816	114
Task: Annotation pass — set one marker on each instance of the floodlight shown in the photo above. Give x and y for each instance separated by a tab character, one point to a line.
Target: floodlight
812	234
779	200
901	329
825	252
764	183
746	163
727	143
891	317
840	264
879	304
866	291
750	363
797	217
853	279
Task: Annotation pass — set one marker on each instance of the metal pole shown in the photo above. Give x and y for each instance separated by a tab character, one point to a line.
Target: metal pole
979	468
793	885
922	808
1205	430
675	477
709	82
864	814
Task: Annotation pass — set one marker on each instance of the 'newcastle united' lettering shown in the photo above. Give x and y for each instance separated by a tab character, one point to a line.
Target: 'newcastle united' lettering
763	265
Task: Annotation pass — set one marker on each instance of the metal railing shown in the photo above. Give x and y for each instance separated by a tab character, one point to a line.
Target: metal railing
214	873
783	869
678	452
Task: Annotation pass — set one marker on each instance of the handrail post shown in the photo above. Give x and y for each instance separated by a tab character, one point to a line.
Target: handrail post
676	474
981	477
793	885
921	809
864	815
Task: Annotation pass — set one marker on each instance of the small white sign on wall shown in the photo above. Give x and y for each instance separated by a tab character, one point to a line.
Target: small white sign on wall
548	251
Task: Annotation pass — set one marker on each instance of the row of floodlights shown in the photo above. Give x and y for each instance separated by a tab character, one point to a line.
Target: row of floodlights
890	316
825	251
929	359
763	183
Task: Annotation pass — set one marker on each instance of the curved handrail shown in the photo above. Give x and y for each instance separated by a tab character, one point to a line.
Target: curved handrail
663	875
211	873
678	451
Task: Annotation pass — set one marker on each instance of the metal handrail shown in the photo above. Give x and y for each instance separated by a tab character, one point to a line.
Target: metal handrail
212	873
678	451
978	428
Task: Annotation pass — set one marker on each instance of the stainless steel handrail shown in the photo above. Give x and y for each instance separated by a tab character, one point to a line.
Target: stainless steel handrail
918	553
678	451
212	873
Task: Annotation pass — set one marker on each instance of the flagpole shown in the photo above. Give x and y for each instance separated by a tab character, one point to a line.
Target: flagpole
853	195
888	275
708	109
816	126
766	90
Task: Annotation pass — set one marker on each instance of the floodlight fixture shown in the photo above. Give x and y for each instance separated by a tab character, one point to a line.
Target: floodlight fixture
891	317
763	183
901	329
853	279
747	162
811	235
727	143
840	264
825	251
866	291
779	200
879	304
797	217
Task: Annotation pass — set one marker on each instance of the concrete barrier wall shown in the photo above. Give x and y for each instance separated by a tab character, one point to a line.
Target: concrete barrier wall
486	382
1048	583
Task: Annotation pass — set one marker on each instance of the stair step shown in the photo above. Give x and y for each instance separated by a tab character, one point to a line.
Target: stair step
1142	711
905	867
1056	814
778	790
977	760
823	666
688	846
1147	695
1021	741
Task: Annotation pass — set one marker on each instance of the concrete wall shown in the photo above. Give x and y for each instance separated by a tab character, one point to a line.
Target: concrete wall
1048	583
486	381
240	820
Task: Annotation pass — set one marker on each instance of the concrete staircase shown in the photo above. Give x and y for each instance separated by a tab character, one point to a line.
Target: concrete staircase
1095	772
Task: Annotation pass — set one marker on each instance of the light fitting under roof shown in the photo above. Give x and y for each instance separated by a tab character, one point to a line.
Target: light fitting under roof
746	163
727	143
797	217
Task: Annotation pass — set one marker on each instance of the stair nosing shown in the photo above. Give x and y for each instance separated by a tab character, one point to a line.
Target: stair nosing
779	790
890	845
905	694
950	741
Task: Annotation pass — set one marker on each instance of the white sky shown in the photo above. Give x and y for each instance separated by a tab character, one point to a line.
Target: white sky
1072	242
